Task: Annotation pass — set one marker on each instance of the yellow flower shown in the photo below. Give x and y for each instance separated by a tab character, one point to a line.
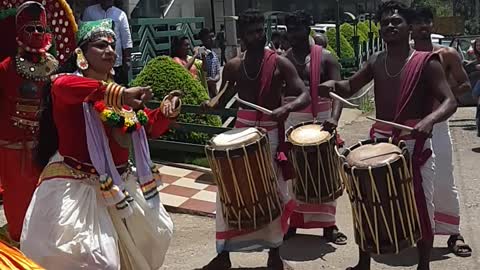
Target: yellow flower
105	115
129	122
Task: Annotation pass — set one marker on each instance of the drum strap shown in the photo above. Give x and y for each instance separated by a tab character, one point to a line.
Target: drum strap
315	69
269	67
411	77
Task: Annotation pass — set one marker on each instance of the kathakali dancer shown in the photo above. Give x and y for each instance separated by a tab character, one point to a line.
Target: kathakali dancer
258	76
25	68
92	208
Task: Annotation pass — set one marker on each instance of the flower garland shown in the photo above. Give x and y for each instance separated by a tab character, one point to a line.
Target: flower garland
128	120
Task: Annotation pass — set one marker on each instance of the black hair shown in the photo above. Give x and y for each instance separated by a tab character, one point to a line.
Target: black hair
177	42
475	51
299	18
276	34
248	17
48	135
395	7
424	13
204	33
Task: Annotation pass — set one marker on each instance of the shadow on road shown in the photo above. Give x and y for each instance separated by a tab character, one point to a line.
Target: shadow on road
301	248
409	257
286	267
461	120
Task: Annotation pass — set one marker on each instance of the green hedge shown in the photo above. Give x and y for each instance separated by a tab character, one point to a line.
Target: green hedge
332	51
347	31
345	47
165	75
363	29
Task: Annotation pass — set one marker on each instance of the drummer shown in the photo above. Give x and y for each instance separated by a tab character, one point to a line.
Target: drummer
446	197
406	84
314	65
258	76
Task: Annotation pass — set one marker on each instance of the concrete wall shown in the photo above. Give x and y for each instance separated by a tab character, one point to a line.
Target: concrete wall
182	8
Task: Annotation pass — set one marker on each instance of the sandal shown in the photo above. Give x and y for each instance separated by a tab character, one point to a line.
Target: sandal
460	250
290	233
336	237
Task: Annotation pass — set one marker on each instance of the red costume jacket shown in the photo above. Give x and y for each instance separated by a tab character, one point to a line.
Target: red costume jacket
19	104
68	94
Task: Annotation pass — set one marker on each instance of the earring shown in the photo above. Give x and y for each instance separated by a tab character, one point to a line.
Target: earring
81	60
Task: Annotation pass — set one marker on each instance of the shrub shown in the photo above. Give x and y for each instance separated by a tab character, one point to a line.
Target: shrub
347	31
164	75
332	51
363	29
375	30
345	47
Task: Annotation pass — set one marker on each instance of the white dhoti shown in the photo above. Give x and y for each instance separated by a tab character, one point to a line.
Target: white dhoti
446	199
309	216
68	226
271	236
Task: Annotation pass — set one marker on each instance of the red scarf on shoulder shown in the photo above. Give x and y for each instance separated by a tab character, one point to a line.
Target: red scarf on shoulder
268	70
411	76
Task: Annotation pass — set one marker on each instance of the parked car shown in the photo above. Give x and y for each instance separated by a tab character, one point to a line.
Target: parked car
279	28
322	28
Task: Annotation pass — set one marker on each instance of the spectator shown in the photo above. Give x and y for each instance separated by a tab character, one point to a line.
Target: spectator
213	65
476	88
321	40
221	44
105	9
180	49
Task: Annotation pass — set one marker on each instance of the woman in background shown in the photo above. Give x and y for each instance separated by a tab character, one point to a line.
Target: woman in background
180	49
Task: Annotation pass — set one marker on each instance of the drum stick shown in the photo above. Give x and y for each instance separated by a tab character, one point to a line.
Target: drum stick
214	101
254	106
395	125
344	101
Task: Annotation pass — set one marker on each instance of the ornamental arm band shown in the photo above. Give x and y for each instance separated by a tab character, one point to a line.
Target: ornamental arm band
114	95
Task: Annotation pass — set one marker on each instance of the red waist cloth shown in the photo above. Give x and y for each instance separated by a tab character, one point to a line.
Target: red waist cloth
68	94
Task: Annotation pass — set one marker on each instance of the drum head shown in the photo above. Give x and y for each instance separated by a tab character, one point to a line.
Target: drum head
374	155
311	134
236	138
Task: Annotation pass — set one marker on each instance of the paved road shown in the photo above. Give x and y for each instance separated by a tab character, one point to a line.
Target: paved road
193	244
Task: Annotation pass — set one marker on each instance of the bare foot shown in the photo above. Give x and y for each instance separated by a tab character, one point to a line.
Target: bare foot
221	262
274	262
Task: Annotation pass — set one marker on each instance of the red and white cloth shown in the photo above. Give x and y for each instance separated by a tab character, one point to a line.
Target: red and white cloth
427	170
446	199
231	239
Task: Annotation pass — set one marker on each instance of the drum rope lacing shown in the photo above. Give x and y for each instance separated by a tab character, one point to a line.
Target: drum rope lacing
412	215
267	176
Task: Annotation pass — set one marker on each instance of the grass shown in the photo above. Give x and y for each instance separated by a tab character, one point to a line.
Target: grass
200	161
367	105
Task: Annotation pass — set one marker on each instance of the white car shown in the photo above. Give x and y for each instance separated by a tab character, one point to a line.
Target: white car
322	28
279	28
435	39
